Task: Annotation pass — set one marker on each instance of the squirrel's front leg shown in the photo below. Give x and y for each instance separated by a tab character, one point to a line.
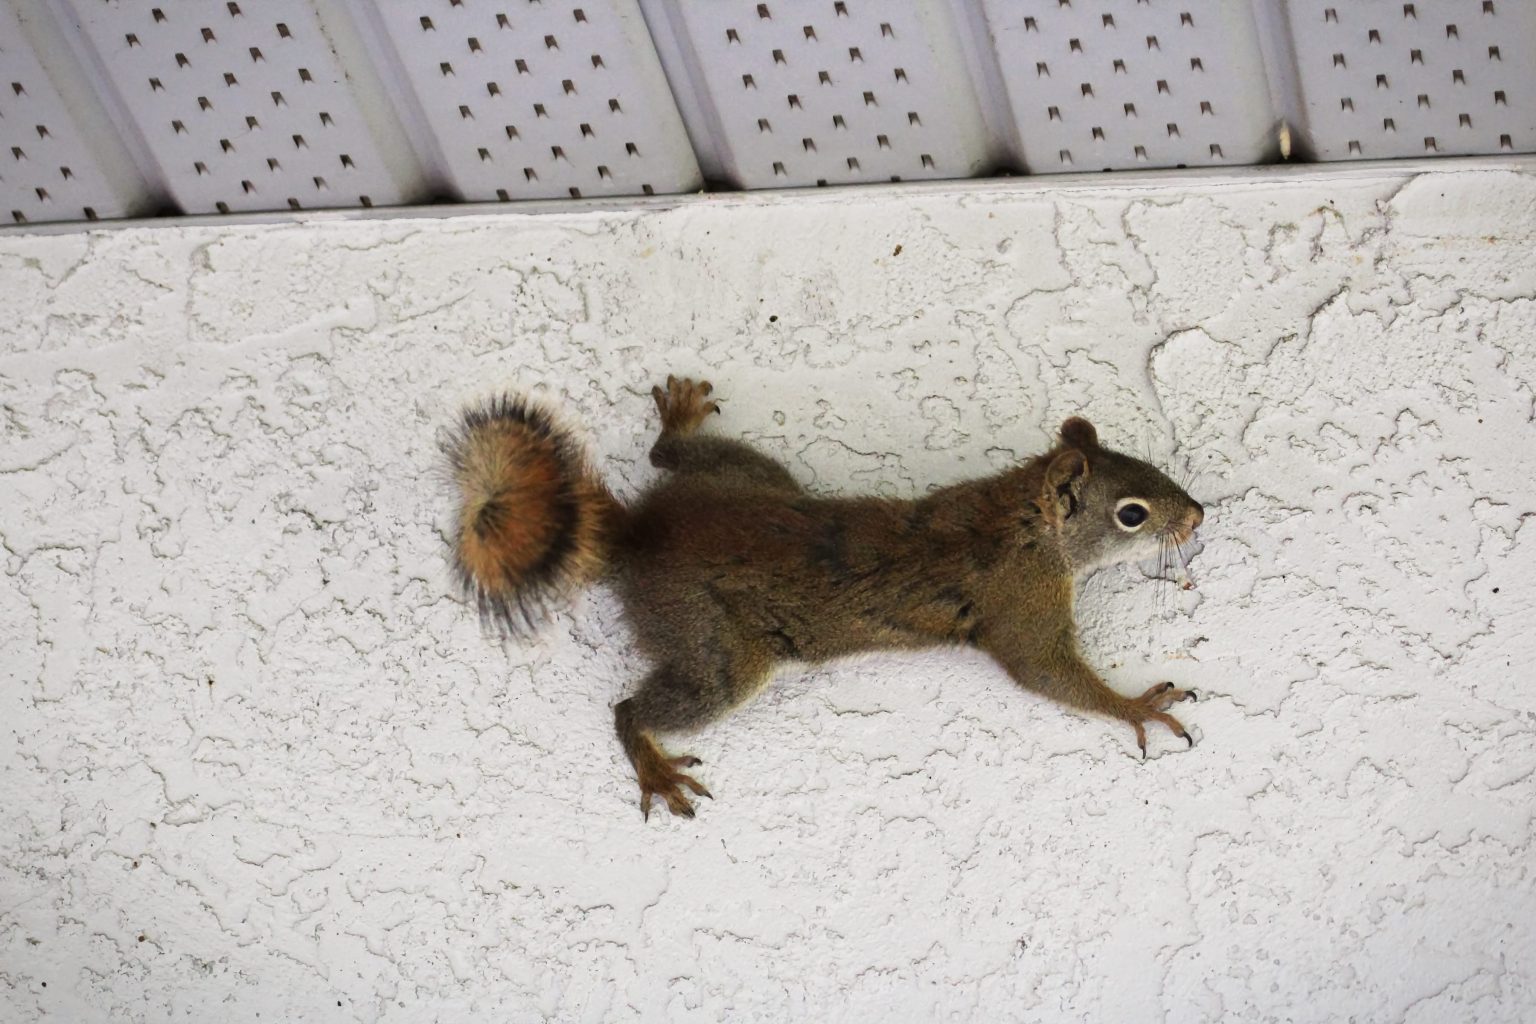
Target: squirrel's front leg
1048	663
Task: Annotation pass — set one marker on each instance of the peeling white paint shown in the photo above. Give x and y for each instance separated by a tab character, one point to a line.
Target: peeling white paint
259	763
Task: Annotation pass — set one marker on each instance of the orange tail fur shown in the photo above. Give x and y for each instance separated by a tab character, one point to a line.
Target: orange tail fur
535	521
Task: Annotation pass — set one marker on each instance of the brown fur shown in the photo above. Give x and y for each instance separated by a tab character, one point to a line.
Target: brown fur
534	519
728	568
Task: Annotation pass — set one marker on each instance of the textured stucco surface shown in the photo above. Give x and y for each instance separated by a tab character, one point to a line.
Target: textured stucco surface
259	763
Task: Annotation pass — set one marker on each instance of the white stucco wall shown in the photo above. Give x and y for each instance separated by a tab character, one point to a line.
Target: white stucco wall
259	763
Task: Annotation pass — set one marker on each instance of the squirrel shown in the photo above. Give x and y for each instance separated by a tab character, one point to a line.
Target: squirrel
728	568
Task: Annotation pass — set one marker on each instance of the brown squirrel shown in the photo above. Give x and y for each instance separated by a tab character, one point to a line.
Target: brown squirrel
727	567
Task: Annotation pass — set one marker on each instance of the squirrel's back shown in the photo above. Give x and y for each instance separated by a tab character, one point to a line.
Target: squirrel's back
534	520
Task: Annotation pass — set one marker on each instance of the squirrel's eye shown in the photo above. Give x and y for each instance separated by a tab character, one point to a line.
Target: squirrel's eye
1131	515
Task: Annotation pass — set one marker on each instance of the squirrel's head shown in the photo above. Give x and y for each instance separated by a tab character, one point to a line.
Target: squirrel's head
1109	507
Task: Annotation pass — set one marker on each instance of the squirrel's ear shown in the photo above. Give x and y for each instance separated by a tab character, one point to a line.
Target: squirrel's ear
1079	433
1063	485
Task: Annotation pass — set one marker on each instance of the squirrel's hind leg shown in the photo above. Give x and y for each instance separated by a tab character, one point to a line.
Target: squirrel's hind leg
672	699
684	405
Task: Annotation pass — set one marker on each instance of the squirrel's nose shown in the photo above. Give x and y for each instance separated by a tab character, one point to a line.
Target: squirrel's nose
1196	516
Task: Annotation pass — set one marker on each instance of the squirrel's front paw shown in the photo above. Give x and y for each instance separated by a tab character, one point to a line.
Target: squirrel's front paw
684	404
1152	707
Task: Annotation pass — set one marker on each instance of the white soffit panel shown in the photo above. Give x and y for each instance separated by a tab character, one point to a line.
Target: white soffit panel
52	166
244	106
1383	78
808	92
1100	85
536	100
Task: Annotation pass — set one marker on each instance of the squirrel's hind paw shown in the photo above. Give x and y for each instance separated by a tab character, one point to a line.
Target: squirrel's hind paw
683	404
659	776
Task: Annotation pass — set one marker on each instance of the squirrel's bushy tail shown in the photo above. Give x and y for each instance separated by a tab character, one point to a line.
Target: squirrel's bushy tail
535	520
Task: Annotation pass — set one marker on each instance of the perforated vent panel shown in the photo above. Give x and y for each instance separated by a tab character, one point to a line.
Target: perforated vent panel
1102	85
112	107
538	100
48	169
1392	79
801	93
244	105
